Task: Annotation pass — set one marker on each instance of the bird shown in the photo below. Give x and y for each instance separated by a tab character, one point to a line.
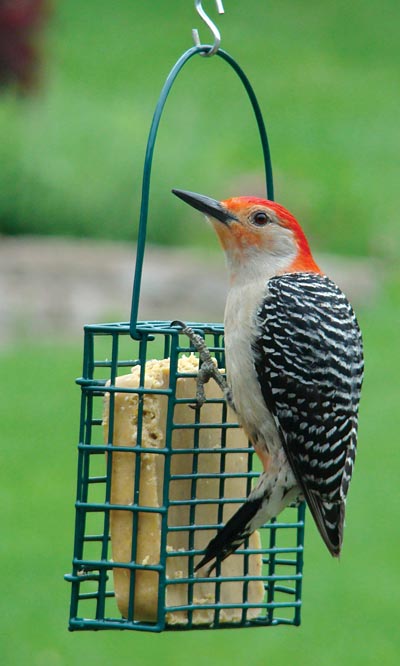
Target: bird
294	369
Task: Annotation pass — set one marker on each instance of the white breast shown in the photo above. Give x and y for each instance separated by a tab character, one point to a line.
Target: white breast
240	330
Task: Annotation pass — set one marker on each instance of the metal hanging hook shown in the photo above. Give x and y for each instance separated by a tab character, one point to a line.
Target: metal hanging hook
216	33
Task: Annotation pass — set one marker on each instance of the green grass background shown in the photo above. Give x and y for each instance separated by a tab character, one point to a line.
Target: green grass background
351	608
327	77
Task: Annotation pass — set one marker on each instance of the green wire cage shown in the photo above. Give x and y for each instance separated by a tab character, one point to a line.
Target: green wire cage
157	479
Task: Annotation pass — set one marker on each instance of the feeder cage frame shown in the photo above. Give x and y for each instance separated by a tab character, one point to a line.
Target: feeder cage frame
115	348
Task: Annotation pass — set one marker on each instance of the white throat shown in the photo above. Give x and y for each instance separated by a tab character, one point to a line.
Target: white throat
255	266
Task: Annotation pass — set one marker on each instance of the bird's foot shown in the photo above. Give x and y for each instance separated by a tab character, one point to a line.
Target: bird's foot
207	365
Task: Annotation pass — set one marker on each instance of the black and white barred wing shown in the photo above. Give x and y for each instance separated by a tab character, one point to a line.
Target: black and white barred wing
309	363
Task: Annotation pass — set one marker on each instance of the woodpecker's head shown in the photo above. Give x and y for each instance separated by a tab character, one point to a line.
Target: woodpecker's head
258	236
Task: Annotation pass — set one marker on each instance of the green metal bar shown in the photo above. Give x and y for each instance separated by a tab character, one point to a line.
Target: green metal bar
81	490
211	526
211	606
140	390
173	366
192	510
211	401
129	363
221	493
240	551
201	426
93	537
271	568
101	448
218	350
220	500
107	565
100	607
82	624
167	346
147	326
215	475
300	560
81	577
97	479
234	579
136	515
94	595
284	588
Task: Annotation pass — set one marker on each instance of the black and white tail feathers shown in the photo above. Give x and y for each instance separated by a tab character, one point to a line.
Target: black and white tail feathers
232	535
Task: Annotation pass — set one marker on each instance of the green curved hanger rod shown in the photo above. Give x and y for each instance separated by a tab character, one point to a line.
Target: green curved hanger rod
144	207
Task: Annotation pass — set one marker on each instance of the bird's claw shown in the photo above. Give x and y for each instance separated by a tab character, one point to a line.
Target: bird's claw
204	375
207	366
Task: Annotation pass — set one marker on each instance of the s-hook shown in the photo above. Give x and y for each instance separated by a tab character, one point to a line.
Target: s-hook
216	33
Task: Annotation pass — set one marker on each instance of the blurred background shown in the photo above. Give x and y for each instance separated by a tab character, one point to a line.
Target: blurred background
78	86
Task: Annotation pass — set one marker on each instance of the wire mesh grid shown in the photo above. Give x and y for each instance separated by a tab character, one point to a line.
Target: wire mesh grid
156	479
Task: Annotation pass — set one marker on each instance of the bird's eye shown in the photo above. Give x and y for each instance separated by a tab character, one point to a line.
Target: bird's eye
260	218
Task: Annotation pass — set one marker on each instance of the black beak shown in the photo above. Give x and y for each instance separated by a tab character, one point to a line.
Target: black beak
210	207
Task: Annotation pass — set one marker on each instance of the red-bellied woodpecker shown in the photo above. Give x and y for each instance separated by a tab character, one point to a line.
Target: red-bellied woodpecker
294	366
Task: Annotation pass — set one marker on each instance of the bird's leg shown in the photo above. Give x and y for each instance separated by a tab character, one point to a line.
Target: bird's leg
207	366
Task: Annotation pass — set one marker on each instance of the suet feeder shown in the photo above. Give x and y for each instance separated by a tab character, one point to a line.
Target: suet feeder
157	479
